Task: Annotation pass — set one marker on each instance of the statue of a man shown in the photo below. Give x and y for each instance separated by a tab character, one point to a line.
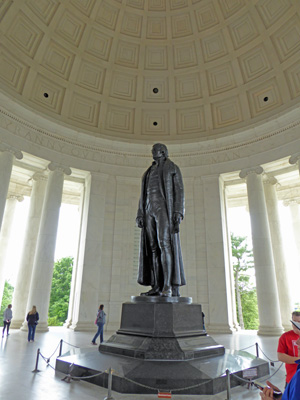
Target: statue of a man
161	209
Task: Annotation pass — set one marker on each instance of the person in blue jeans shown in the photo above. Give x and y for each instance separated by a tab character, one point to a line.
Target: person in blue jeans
7	317
100	321
32	321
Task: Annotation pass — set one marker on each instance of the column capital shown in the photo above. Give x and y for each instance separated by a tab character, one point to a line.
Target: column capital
59	167
270	180
294	158
252	170
39	176
10	149
15	196
291	202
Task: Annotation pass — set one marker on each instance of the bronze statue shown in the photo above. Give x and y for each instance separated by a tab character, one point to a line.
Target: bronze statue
161	209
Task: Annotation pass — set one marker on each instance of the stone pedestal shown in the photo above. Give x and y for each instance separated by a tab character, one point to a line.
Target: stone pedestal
162	328
161	346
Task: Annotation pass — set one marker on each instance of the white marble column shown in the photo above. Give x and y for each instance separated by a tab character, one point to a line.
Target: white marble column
294	207
218	268
21	291
42	272
88	281
7	155
118	278
235	322
278	253
69	319
189	242
5	236
201	256
266	285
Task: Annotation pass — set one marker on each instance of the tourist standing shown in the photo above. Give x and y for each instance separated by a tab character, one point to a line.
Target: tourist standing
32	321
7	317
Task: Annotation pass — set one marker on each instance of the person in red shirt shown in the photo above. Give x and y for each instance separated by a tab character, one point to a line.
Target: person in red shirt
287	350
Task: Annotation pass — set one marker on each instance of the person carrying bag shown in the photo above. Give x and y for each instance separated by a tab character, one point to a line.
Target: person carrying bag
100	322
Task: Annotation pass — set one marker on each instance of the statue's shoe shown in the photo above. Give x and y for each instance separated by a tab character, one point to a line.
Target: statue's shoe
151	292
166	292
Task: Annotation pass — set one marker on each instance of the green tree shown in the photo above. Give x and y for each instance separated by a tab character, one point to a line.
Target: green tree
246	299
6	299
250	310
60	291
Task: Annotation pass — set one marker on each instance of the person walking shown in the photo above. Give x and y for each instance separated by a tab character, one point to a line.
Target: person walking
100	322
32	321
7	317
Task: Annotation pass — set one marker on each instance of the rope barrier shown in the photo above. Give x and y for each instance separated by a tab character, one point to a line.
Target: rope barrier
37	361
47	361
79	378
271	376
168	390
249	347
273	361
228	384
54	351
109	385
110	372
72	345
250	381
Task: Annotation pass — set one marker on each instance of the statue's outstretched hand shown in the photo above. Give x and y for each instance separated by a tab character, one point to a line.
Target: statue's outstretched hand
140	222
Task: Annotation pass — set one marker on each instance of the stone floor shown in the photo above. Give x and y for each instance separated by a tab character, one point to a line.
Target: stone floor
18	358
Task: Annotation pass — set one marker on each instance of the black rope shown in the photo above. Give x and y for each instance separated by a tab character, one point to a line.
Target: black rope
168	390
246	348
54	351
71	344
274	361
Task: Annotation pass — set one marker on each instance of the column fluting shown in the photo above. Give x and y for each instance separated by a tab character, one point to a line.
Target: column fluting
266	285
7	155
278	253
42	272
20	296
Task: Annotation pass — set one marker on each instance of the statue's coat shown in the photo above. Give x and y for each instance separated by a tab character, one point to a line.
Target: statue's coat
171	187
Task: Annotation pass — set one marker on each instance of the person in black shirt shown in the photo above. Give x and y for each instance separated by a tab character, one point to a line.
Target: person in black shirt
32	321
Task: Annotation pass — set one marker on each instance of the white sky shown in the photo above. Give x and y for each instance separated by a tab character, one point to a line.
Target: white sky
67	238
239	224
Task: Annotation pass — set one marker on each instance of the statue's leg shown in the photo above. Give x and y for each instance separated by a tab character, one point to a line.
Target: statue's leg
164	241
151	237
175	291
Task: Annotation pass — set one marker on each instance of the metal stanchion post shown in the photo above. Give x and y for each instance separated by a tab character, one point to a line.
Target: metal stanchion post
257	350
60	347
68	378
109	396
37	361
228	384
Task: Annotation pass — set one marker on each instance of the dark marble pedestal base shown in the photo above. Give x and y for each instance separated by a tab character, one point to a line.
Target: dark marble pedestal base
155	328
161	345
206	376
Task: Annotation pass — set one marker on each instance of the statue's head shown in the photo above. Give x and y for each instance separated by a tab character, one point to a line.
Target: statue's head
159	150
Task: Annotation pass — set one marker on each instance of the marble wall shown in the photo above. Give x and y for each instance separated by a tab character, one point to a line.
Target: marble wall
107	258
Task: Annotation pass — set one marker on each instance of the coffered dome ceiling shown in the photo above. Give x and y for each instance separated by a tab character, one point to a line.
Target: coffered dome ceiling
144	70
